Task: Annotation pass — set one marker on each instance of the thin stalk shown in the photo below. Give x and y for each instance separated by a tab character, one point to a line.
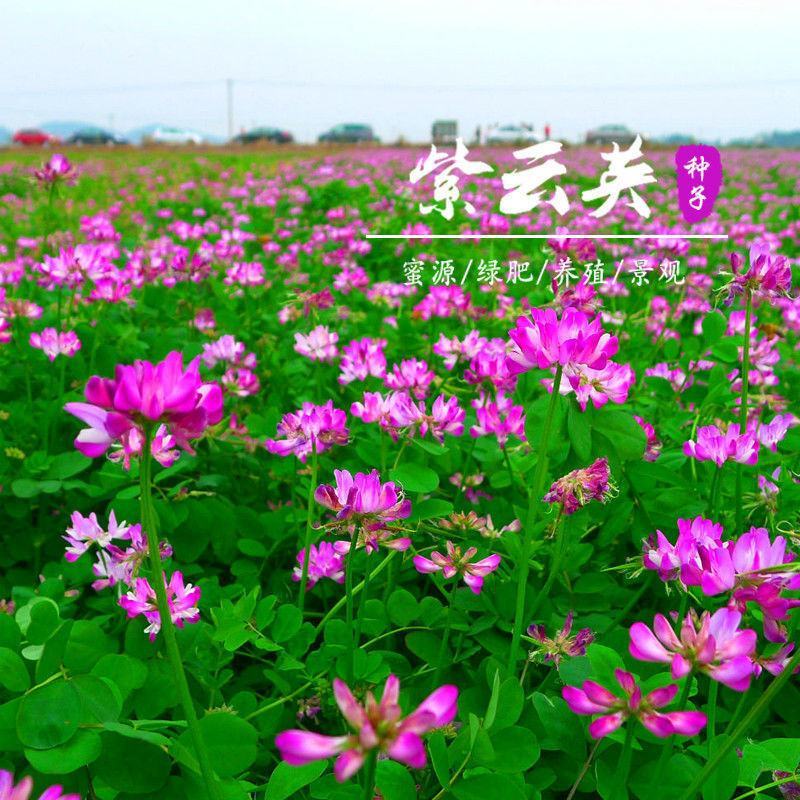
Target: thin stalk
309	530
149	524
361	604
558	557
584	770
733	737
534	505
369	775
669	742
451	596
624	765
748	314
711	713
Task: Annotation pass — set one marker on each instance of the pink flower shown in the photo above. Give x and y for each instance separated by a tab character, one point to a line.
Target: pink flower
749	568
319	344
769	274
240	382
543	340
771	434
376	726
324	562
456	563
86	531
365	506
228	351
412	375
142	394
362	358
577	488
653	449
683	559
22	791
712	644
612	382
310	428
563	643
719	446
58	168
499	419
592	698
182	600
52	343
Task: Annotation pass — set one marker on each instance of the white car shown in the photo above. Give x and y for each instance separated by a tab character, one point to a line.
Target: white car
177	136
512	134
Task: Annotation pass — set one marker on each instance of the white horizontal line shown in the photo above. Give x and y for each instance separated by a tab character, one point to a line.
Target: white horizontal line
547	236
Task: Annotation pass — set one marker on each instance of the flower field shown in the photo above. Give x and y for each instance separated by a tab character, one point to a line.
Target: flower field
290	512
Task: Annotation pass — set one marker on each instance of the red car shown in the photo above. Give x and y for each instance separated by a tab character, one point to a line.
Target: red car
31	137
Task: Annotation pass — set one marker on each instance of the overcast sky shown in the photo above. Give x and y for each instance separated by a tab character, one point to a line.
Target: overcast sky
714	69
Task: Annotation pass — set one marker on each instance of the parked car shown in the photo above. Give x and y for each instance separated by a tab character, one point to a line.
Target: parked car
274	135
33	137
349	133
172	136
95	137
512	134
444	131
608	134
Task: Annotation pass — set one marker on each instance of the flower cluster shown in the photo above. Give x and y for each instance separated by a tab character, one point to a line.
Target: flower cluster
121	409
592	698
579	487
378	726
311	428
52	343
454	562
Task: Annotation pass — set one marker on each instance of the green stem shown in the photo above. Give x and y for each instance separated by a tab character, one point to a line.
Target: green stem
369	775
558	557
361	604
669	742
714	493
748	306
446	637
624	765
534	505
733	738
711	712
309	530
149	524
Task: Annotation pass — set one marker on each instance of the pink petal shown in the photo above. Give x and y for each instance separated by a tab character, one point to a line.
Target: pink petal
348	764
645	646
602	726
579	703
408	749
300	747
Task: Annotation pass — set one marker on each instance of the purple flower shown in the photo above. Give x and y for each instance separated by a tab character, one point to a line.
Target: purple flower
592	698
577	488
324	562
182	599
712	644
719	446
310	428
377	726
53	344
563	643
458	563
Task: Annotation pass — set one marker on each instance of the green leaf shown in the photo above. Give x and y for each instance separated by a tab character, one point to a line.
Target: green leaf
44	622
13	672
286	780
580	432
491	709
415	478
65	465
395	782
479	787
515	749
403	607
439	759
231	742
714	325
510	700
82	749
432	508
25	488
132	766
288	622
49	716
622	431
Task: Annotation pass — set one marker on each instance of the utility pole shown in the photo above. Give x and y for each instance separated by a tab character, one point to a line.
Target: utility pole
229	89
